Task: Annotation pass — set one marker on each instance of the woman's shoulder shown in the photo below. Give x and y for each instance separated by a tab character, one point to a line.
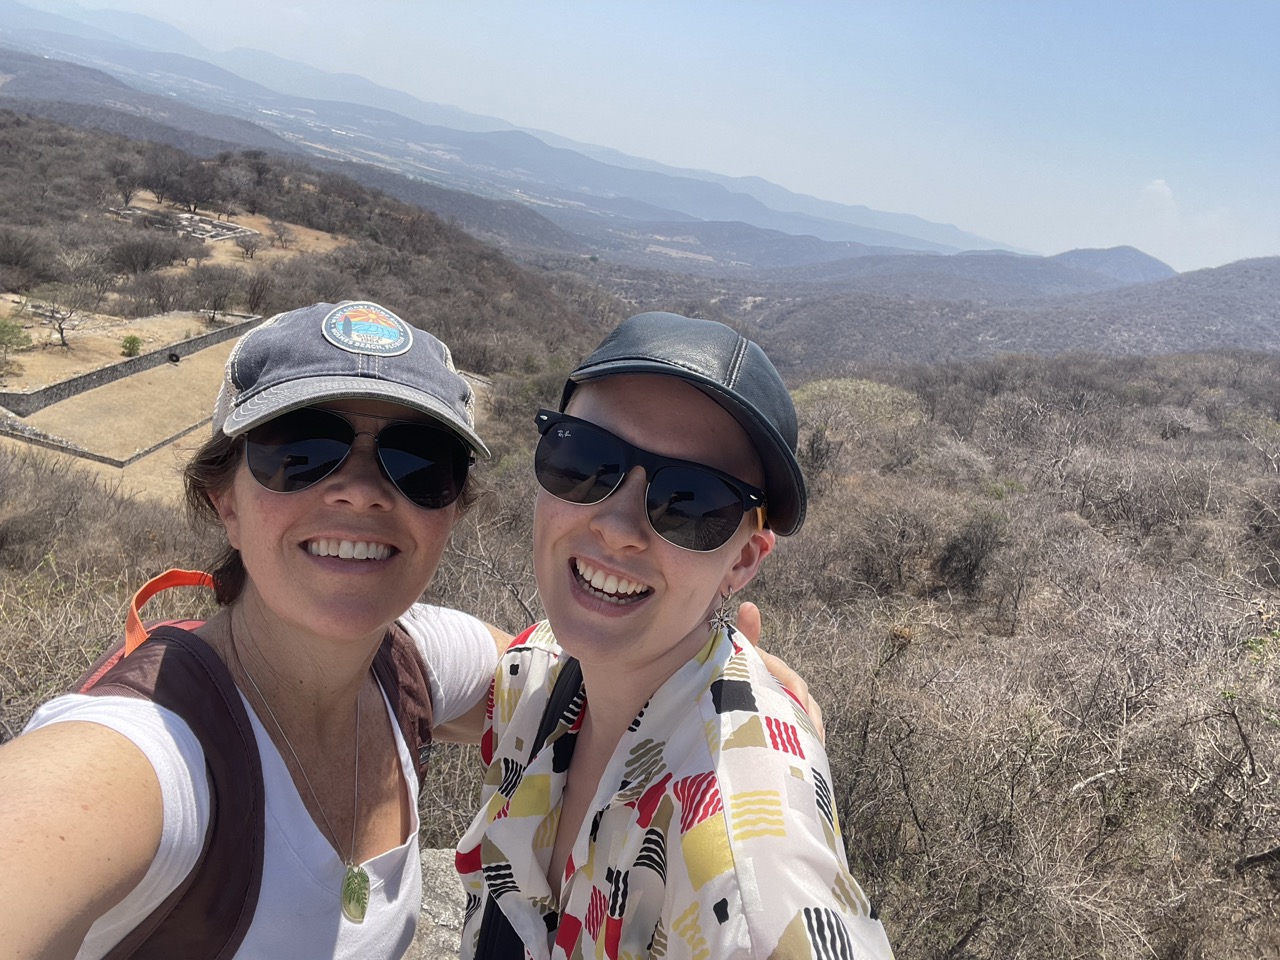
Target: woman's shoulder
536	640
135	718
535	645
530	661
166	741
752	709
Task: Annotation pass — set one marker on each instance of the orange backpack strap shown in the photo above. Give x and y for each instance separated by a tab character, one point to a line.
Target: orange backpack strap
134	631
208	914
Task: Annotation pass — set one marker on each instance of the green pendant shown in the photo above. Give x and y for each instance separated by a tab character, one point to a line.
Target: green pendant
355	893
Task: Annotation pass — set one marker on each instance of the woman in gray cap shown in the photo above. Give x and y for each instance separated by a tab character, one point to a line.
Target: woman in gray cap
246	786
339	462
675	801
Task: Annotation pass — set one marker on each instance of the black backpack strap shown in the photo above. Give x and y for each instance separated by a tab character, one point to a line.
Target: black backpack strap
207	917
497	939
403	675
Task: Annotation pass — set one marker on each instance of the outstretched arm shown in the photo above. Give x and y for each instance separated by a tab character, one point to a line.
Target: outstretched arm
81	816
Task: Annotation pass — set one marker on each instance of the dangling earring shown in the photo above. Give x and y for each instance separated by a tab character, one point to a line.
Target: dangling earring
721	619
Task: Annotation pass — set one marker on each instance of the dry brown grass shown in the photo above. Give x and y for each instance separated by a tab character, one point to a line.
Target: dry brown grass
1069	752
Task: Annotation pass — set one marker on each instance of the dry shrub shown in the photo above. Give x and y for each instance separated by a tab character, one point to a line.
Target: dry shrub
72	551
1069	753
1073	757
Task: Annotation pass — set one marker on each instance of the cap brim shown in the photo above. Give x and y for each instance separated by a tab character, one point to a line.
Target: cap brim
293	394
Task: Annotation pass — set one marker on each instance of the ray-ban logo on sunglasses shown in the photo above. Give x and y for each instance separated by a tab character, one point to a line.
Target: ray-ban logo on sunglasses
367	328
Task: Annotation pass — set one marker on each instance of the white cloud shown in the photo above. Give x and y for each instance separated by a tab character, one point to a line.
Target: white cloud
1157	206
1187	234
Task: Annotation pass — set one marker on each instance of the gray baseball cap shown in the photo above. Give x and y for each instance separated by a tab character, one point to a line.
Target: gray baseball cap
734	372
349	350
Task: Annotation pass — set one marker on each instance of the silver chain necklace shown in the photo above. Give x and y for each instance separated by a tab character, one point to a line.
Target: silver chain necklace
355	883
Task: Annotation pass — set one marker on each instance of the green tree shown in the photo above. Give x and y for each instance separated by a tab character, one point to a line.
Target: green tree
12	337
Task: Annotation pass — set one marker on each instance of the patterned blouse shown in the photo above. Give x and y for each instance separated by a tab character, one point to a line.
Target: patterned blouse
712	833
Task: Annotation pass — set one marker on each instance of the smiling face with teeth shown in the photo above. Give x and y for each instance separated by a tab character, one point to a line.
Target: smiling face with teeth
619	597
342	558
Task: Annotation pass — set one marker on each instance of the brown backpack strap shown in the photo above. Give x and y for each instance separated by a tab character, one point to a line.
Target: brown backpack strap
116	652
400	669
207	917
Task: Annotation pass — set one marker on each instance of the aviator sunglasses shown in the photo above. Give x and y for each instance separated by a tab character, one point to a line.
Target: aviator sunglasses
300	448
693	506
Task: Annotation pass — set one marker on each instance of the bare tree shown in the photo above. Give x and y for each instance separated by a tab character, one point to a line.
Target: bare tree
249	244
161	169
215	286
197	187
126	178
65	306
281	234
258	288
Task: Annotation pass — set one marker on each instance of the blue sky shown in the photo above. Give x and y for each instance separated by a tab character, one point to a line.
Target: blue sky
1046	126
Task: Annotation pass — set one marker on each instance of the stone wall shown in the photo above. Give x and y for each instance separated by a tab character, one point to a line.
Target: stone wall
25	404
10	427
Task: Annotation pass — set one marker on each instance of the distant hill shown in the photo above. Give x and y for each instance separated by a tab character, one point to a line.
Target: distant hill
302	80
709	248
540	191
824	284
634	231
988	276
497	316
1124	264
945	235
27	80
499	222
1237	305
503	163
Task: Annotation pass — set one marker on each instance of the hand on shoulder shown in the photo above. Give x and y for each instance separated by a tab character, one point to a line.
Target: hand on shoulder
749	626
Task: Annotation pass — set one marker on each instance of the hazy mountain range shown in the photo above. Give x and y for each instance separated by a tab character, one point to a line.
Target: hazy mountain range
825	284
589	198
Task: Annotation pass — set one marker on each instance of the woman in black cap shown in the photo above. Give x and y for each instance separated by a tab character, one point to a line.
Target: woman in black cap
246	787
680	802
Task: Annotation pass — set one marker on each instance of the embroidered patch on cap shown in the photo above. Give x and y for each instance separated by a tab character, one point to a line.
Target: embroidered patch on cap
367	328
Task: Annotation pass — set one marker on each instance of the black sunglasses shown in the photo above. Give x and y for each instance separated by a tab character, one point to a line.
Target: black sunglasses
299	448
691	505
